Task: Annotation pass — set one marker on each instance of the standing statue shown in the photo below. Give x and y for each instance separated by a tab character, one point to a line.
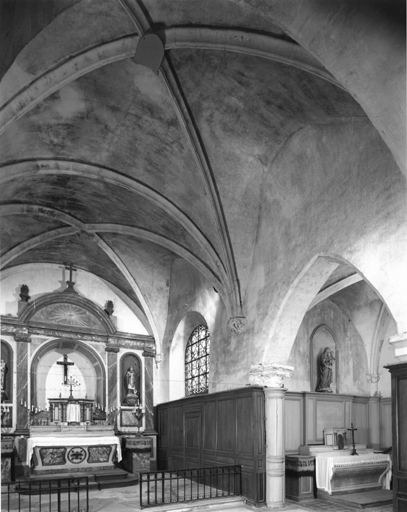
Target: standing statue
130	380
325	371
3	372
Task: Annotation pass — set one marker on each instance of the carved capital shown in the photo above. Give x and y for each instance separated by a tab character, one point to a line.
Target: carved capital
149	352
22	334
269	375
237	324
399	342
373	378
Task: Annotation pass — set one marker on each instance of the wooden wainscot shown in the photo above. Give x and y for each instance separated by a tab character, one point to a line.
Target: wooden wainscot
300	477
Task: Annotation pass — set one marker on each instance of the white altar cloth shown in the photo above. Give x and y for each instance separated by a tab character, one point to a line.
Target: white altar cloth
72	441
325	463
73	413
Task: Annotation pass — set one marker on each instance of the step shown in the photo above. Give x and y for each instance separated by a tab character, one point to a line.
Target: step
234	502
110	484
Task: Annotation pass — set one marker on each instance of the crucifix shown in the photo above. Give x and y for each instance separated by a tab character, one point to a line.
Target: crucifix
70	283
65	365
354	452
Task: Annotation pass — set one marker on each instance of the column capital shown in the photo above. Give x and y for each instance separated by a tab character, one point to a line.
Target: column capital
237	324
269	375
109	348
22	334
399	342
373	378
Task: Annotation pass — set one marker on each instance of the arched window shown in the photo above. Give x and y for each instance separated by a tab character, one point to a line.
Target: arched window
197	361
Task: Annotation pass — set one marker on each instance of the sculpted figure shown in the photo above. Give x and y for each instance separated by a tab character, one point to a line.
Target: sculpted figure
131	381
3	372
325	371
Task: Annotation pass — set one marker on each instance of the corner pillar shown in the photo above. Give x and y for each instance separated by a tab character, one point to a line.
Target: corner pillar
271	377
148	392
112	398
374	422
23	406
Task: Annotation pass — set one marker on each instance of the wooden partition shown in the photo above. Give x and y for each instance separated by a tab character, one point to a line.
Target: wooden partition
307	414
217	429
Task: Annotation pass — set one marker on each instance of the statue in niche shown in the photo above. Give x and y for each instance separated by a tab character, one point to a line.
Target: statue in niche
325	371
131	386
3	370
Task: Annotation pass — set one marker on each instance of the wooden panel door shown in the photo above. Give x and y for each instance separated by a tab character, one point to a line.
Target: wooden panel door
193	439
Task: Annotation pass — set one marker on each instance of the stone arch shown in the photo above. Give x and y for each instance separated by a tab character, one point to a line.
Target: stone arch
177	353
33	308
65	345
295	298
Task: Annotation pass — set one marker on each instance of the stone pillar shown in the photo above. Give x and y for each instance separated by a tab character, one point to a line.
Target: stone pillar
374	422
22	337
112	399
148	392
271	376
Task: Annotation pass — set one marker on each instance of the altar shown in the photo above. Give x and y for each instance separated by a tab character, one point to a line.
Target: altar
339	472
67	449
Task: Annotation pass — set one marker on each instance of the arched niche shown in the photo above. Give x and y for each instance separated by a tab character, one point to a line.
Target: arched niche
177	353
127	361
47	375
321	338
6	373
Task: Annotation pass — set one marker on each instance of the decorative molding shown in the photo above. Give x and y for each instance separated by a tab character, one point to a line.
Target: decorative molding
12	326
237	324
115	350
269	375
21	334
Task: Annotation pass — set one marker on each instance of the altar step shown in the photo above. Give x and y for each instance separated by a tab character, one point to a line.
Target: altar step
363	500
97	479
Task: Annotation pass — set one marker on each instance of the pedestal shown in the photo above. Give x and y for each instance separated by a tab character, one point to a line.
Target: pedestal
138	454
299	477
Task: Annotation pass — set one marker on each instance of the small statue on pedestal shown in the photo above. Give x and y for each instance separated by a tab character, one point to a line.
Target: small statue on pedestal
325	371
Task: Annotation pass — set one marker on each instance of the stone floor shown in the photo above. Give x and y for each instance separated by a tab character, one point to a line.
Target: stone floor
127	499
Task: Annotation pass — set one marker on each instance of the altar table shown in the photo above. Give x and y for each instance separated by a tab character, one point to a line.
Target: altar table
338	472
66	454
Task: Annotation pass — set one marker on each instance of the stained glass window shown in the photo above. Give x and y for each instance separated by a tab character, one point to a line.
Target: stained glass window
197	361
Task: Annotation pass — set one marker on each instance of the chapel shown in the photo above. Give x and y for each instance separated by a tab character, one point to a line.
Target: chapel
204	239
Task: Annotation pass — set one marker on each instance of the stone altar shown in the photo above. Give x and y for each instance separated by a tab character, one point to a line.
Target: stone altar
62	449
338	472
7	448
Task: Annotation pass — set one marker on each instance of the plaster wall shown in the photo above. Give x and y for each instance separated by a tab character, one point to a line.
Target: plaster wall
192	301
350	205
46	278
351	358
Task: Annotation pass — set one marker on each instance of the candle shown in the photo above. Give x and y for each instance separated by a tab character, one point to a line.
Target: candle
35	410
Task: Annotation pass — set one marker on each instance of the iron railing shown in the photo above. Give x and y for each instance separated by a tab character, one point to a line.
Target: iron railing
47	495
163	487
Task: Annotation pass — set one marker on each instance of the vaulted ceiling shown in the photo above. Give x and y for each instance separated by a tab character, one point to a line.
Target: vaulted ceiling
118	169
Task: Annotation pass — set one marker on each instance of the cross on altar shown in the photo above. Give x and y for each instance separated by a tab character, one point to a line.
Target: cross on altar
354	452
65	364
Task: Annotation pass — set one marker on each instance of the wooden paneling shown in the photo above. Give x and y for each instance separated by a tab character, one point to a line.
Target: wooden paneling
385	423
399	437
216	430
294	422
360	419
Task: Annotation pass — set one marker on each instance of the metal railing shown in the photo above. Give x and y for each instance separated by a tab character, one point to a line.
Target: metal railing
163	487
47	495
